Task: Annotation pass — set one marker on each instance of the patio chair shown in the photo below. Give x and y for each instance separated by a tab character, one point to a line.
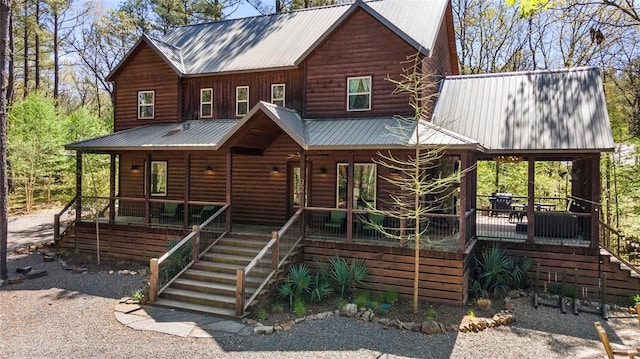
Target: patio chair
204	213
337	220
611	351
374	220
169	212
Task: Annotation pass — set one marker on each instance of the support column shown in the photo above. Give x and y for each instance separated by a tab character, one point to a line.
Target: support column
187	187
595	198
350	183
112	188
78	186
147	192
303	187
463	202
531	192
229	188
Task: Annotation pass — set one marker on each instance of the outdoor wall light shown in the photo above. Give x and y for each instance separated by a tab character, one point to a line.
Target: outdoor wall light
135	168
208	170
323	170
275	170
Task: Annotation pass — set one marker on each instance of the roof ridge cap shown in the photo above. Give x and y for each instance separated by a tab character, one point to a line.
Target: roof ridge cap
526	72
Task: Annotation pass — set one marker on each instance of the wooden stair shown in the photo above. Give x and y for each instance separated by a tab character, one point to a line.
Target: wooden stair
622	281
209	286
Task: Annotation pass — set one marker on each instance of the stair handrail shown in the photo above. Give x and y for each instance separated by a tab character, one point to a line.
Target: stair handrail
273	244
194	238
56	219
615	252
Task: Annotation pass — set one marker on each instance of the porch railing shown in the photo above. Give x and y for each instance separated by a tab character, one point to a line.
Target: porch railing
63	220
625	249
252	279
167	268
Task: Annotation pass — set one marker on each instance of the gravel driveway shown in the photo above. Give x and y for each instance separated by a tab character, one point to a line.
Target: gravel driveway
69	315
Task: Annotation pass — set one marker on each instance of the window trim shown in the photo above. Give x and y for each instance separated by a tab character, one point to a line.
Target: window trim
152	104
202	103
166	179
238	102
375	185
360	93
284	94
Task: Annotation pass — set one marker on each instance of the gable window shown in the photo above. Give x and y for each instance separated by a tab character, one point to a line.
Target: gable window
359	93
364	186
277	94
158	178
146	101
206	103
242	100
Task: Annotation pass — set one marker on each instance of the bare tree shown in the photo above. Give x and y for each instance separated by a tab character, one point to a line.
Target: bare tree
5	11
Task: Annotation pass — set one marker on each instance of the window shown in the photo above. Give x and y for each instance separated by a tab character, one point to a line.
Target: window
206	103
158	178
242	100
145	104
359	93
364	187
277	94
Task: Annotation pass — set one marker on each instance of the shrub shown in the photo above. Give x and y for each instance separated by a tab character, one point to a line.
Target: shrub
276	307
138	295
391	297
320	288
431	313
484	303
496	273
635	299
262	314
345	276
361	299
296	284
298	307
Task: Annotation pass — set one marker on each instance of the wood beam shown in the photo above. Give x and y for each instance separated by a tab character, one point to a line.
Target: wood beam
463	202
247	151
186	190
112	188
531	192
595	198
147	192
78	186
350	183
229	197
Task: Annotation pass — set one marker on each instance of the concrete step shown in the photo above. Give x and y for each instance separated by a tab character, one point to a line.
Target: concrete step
191	307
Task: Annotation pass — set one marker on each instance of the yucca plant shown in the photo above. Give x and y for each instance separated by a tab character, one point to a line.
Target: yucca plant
320	288
346	276
296	284
496	273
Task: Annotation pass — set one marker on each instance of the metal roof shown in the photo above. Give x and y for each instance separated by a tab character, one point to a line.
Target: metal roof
283	40
194	135
309	134
528	111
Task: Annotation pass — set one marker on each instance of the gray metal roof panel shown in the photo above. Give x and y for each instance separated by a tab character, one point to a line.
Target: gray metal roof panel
282	40
189	134
538	110
171	53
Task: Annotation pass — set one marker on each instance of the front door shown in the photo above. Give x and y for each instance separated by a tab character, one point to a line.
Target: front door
295	184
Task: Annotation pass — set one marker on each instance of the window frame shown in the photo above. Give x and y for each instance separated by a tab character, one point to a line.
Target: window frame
238	101
284	94
210	102
369	93
374	185
153	187
151	105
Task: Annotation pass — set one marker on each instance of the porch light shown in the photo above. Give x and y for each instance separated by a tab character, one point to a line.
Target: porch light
275	170
323	170
208	170
135	168
508	159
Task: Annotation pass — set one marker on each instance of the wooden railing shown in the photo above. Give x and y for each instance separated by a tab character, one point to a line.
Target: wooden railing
267	263
57	232
167	268
626	250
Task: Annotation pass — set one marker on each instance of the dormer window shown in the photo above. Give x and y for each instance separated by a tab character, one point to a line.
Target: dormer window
146	100
242	100
359	93
277	94
206	103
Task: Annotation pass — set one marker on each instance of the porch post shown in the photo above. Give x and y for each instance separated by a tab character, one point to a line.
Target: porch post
187	186
78	186
229	188
531	192
303	187
112	188
595	198
147	192
463	202
350	179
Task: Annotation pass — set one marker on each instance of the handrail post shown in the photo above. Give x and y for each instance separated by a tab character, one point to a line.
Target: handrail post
56	226
153	279
195	246
239	291
275	255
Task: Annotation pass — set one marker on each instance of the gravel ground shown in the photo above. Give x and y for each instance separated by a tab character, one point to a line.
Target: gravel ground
68	315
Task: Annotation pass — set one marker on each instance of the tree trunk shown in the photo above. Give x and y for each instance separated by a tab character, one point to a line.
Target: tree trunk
25	39
12	66
36	44
56	64
5	10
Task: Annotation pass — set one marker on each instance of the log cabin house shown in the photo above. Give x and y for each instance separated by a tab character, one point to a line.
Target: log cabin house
214	123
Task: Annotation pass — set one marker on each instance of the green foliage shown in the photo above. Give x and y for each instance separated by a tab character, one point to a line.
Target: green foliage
296	285
555	288
391	297
299	307
431	313
262	314
320	288
340	302
470	313
345	276
276	307
361	299
496	273
138	295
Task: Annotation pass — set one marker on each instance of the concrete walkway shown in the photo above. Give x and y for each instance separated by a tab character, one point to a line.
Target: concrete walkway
178	323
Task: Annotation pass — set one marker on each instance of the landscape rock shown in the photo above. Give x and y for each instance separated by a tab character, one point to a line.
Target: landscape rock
35	274
26	269
287	326
349	310
430	327
14	280
264	329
